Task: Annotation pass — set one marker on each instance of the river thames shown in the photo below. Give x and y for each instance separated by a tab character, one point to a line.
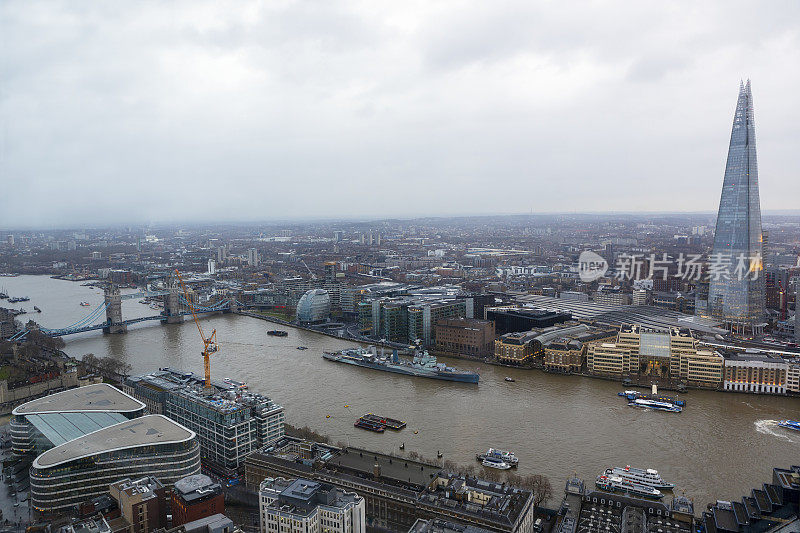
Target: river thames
721	446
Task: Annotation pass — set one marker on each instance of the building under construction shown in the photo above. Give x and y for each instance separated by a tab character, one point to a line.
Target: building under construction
230	421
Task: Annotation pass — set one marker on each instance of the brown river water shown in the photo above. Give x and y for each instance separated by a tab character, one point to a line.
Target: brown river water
719	447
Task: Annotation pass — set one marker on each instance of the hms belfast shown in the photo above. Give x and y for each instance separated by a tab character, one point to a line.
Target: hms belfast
423	365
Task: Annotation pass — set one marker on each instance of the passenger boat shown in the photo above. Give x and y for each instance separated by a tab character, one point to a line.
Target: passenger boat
493	462
494	453
277	333
617	484
790	424
648	477
655	404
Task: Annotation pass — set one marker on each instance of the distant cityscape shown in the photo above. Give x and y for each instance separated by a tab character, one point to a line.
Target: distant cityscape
663	304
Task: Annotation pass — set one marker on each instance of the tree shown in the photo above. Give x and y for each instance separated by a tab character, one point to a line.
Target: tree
542	490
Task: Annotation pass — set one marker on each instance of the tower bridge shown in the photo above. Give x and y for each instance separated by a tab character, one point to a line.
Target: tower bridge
176	307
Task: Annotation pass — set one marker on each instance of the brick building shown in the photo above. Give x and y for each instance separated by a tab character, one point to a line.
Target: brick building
457	337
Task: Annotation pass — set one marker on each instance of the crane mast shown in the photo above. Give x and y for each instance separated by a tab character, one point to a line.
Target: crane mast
209	343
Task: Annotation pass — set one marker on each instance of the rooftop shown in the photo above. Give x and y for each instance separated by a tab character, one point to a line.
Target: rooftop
196	487
144	431
59	428
100	397
392	468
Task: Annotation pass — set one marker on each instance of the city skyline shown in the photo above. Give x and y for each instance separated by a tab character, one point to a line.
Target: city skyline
235	115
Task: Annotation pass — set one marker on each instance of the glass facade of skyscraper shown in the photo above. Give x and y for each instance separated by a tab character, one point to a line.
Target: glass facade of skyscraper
736	284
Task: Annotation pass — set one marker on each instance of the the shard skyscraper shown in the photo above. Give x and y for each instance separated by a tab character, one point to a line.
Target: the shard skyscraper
736	282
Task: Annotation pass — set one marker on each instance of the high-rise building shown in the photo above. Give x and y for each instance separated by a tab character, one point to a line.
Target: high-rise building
797	313
252	257
736	289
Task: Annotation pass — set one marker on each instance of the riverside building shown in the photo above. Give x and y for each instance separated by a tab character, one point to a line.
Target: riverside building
44	423
397	490
755	373
230	422
305	506
83	468
458	337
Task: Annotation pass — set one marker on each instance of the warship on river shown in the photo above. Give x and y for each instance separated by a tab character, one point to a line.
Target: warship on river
422	365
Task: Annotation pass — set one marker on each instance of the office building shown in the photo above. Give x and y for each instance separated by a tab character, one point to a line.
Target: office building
142	504
459	337
252	257
512	319
797	313
195	497
83	468
612	297
701	368
306	506
639	297
408	319
566	352
757	373
7	325
230	421
314	307
53	420
736	294
517	348
397	491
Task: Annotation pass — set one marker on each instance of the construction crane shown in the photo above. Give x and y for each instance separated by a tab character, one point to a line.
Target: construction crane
313	276
209	343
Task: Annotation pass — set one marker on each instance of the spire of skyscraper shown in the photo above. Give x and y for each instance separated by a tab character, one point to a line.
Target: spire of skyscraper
736	288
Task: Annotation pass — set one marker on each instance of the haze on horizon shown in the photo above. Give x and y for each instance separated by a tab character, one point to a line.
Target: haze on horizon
115	112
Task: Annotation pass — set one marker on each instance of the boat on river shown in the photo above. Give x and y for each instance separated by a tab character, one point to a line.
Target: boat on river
423	365
790	424
614	483
643	476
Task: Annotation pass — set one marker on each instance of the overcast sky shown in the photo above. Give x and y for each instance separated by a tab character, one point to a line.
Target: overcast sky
161	111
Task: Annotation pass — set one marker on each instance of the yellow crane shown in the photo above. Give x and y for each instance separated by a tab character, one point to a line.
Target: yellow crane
209	343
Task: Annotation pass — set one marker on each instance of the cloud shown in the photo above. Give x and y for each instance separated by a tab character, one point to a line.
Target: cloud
161	111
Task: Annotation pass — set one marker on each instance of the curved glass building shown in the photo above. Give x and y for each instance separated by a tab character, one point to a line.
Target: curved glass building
314	306
74	472
50	421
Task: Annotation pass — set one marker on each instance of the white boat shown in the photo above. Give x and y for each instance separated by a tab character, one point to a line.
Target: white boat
648	477
617	484
504	456
493	462
655	404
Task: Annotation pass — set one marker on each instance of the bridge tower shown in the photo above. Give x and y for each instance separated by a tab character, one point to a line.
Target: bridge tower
234	305
114	323
172	304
